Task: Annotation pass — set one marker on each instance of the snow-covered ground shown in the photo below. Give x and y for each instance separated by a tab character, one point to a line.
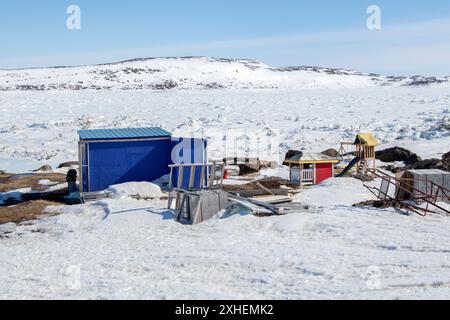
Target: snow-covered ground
132	249
127	248
42	125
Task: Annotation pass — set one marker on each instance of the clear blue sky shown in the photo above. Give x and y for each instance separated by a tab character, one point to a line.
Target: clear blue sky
415	34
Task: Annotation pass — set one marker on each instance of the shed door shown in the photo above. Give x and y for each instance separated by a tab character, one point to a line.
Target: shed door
323	171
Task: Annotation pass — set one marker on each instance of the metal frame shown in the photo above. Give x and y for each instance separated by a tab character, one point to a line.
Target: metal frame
83	151
210	168
399	183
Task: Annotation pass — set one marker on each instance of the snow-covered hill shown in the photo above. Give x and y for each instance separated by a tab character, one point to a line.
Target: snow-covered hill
196	73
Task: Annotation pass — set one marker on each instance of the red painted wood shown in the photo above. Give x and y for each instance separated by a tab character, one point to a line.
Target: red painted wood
323	171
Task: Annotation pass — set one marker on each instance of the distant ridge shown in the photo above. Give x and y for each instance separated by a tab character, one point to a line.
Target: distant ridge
193	73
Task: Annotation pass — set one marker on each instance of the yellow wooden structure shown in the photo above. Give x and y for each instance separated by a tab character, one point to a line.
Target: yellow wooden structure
365	144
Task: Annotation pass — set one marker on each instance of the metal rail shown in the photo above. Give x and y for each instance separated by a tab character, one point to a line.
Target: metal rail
402	185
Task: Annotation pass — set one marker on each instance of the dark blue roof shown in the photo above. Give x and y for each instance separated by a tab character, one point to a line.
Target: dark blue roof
121	134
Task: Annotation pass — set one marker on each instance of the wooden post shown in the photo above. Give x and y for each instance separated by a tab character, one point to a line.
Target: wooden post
180	176
171	179
301	167
314	173
191	178
212	175
202	177
222	174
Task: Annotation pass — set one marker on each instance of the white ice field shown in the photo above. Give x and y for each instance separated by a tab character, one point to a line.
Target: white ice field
130	249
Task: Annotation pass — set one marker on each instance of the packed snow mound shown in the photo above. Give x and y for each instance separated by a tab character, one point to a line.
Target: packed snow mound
335	192
195	73
293	223
163	181
143	190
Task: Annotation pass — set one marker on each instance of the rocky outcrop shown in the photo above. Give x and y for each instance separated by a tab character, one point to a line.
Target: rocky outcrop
69	164
427	164
446	161
250	167
292	155
397	154
44	168
332	153
441	164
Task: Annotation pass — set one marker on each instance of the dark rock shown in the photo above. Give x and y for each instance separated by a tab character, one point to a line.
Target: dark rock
443	164
44	168
393	169
397	154
333	153
446	156
427	164
68	164
276	183
268	164
379	204
292	155
253	166
248	168
366	178
446	161
413	159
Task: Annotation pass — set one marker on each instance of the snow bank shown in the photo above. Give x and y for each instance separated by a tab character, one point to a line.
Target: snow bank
163	181
145	190
335	192
46	182
292	223
7	228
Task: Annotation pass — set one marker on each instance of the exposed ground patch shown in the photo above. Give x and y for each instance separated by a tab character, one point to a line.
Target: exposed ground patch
26	211
10	182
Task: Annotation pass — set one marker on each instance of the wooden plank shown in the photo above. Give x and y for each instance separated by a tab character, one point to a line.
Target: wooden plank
255	209
264	188
256	193
273	199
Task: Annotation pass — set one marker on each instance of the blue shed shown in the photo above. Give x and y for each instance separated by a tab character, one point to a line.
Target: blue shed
114	156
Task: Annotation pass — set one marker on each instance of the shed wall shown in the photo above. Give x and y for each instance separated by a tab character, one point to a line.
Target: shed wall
113	163
422	181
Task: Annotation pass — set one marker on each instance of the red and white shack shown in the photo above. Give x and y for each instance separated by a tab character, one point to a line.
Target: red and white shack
310	168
